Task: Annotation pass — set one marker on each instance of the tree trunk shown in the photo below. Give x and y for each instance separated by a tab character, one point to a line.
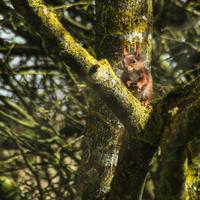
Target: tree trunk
117	22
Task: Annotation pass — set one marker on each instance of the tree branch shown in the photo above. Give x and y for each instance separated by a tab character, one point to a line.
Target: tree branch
183	129
98	73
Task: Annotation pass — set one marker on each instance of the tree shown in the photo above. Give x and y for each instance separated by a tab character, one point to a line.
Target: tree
126	144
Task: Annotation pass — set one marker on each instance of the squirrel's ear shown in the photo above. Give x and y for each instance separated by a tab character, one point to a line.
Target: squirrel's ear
137	51
123	48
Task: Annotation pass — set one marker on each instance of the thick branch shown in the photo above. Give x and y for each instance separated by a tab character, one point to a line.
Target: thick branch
183	128
178	110
99	73
181	98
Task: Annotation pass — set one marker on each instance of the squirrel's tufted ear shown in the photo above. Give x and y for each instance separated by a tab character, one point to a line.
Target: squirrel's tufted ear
137	51
123	48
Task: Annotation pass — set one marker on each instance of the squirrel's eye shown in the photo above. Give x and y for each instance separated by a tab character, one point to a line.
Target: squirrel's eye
133	61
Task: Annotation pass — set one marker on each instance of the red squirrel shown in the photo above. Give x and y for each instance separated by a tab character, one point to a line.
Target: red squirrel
136	76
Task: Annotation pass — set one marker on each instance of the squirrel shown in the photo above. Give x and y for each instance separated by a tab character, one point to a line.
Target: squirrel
136	76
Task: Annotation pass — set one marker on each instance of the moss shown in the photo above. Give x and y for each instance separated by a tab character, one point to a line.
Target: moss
173	111
51	24
192	183
123	18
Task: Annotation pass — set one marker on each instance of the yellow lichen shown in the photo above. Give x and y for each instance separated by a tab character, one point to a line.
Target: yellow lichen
173	111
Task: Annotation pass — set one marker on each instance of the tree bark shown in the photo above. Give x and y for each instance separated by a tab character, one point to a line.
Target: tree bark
129	22
177	173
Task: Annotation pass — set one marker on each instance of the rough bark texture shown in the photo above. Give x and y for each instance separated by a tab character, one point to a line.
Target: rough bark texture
178	173
123	20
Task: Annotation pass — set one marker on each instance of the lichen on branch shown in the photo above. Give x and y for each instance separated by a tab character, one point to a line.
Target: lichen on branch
99	74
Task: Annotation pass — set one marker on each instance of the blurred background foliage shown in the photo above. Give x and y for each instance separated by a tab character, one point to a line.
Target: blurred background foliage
43	104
